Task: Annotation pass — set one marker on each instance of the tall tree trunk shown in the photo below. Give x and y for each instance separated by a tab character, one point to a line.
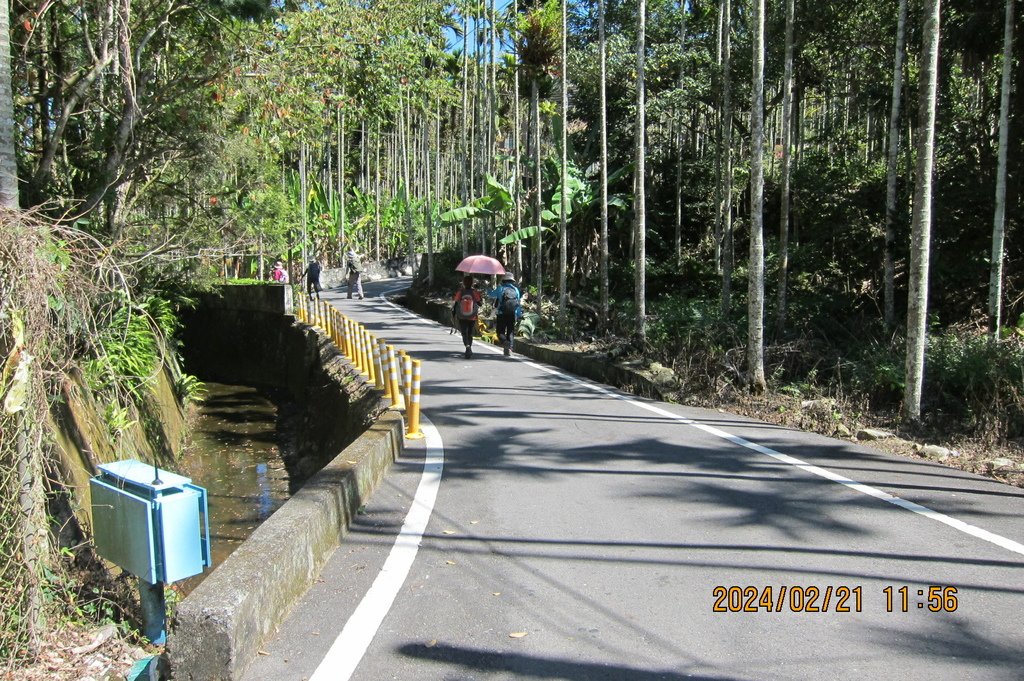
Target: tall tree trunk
727	240
995	284
755	268
8	162
427	204
466	168
517	150
538	256
678	237
376	192
563	241
888	266
719	143
920	247
640	198
604	166
341	176
302	201
405	124
784	190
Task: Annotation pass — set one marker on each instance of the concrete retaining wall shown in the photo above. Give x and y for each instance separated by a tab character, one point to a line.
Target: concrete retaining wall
220	626
245	336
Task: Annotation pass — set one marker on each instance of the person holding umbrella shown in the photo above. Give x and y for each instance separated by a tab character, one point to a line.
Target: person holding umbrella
465	310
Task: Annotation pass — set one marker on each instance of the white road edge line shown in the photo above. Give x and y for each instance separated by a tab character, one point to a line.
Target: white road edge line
955	523
348	649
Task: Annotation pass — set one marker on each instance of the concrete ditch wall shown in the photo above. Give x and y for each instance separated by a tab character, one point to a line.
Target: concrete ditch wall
246	335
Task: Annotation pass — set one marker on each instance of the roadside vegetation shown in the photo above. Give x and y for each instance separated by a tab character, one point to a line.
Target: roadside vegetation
824	230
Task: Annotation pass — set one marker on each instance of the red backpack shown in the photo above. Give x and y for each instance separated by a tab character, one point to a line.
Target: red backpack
467	305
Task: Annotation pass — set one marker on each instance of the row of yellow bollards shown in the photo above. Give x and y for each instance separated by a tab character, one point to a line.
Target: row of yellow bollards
397	374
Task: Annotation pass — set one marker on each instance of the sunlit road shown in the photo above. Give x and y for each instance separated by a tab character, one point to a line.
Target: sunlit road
579	533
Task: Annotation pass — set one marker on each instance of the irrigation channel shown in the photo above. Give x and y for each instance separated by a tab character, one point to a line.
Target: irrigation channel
234	452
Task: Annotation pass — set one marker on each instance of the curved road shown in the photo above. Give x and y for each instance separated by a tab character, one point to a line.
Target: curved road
570	531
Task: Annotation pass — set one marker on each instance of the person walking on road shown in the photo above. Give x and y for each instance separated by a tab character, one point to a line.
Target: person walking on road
355	274
507	299
466	309
280	274
312	275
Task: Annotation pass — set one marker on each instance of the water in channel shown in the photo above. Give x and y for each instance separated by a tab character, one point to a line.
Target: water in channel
234	453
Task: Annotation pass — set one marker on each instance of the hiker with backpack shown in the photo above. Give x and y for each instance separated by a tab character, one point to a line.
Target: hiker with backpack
355	274
312	275
507	299
465	310
280	274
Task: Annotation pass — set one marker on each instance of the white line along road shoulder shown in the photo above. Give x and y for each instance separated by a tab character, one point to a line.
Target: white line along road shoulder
350	646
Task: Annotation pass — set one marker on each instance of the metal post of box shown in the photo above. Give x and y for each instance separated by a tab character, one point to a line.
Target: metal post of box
154	524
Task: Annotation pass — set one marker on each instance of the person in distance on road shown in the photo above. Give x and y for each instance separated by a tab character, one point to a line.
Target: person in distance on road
280	274
355	273
312	275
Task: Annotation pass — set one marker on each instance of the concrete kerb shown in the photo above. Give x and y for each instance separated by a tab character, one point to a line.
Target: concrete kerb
219	627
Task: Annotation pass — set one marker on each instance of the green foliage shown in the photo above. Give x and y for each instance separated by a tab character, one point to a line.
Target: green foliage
529	324
189	388
679	326
976	379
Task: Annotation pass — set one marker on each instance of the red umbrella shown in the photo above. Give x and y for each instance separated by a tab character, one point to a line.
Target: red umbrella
480	264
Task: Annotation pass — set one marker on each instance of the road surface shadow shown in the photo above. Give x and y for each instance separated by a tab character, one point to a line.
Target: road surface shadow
532	667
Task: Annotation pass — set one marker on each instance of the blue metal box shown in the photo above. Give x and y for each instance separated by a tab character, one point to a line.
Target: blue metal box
151	522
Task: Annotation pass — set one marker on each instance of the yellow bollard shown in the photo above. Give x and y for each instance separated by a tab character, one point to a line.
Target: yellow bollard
378	375
348	338
413	411
400	361
368	351
382	354
396	394
407	379
360	351
352	342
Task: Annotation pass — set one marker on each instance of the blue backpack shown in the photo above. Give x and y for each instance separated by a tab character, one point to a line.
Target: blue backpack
509	304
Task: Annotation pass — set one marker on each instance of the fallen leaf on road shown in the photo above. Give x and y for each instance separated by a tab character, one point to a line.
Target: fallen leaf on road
262	652
517	634
433	642
447	531
495	593
450	562
473	522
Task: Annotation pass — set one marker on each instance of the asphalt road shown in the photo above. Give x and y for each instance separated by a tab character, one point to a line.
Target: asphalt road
579	533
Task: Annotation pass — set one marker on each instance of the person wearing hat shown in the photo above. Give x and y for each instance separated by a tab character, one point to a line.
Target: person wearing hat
507	302
355	273
280	274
